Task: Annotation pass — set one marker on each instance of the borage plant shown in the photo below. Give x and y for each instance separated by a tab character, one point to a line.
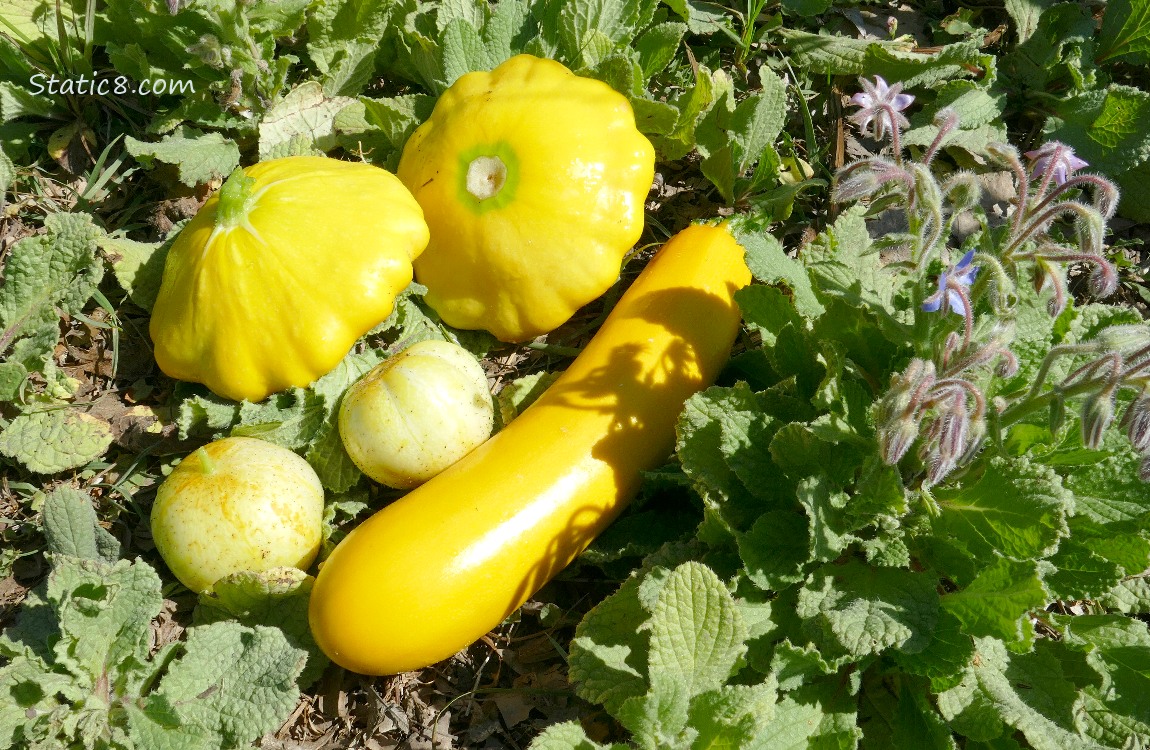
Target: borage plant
921	527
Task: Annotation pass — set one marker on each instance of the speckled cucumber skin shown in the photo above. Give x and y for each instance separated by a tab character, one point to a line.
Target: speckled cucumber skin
237	504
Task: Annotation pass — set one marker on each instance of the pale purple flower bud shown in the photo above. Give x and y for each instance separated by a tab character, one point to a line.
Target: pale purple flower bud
974	440
1103	279
1136	419
882	105
1056	161
1097	414
895	440
954	425
1007	364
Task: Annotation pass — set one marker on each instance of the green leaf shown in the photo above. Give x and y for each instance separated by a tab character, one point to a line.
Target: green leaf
276	598
843	263
43	274
12	377
463	50
206	415
567	736
1108	490
830	529
771	265
16	102
7	175
233	682
776	549
335	469
1135	185
304	115
697	633
71	527
657	46
198	157
343	38
138	266
1025	14
865	610
105	614
1016	508
722	433
998	601
835	55
1125	31
1080	574
806	8
733	715
608	660
52	440
291	418
995	692
1109	128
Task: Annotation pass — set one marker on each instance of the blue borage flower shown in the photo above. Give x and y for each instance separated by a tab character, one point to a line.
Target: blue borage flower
950	285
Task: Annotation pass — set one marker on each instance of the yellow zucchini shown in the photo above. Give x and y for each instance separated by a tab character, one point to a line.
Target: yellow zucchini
434	571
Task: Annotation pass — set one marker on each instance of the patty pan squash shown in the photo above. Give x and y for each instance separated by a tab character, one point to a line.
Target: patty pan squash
237	504
280	271
532	180
416	414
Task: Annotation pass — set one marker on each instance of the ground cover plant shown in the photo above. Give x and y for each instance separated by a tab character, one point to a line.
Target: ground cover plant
912	513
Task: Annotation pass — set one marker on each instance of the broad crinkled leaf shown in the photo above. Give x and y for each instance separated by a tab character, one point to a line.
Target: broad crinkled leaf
343	39
55	271
835	55
771	265
104	615
138	266
567	736
1125	31
1108	490
776	548
306	113
276	598
721	436
71	527
1017	509
232	681
996	691
697	633
998	601
1109	128
198	157
52	440
843	264
866	610
608	660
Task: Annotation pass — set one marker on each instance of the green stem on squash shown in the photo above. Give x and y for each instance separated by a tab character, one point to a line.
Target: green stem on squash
207	465
235	199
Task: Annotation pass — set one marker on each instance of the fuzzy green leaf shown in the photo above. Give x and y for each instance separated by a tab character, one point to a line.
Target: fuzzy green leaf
343	39
71	527
697	633
998	601
55	439
276	598
232	681
56	271
608	661
1026	692
1125	31
567	736
1016	508
138	266
305	114
866	610
1109	128
198	157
